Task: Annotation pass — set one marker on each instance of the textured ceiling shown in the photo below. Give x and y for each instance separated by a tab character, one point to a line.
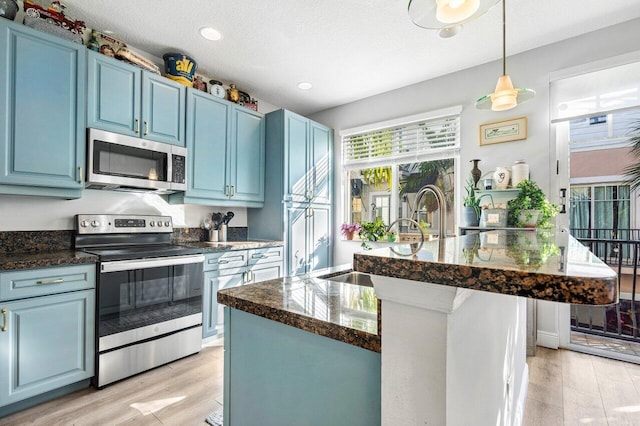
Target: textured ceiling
348	49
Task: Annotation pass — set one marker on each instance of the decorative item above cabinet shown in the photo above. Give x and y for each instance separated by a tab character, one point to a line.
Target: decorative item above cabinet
125	99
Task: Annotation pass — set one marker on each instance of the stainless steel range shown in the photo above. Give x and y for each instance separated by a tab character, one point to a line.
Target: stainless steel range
149	293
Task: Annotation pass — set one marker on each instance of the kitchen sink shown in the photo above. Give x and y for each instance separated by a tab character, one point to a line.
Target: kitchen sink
357	278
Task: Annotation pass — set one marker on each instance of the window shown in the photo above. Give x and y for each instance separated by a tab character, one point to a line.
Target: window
385	166
602	131
600	207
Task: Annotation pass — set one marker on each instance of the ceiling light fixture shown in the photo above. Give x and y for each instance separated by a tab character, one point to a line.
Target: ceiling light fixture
210	33
304	85
504	97
439	14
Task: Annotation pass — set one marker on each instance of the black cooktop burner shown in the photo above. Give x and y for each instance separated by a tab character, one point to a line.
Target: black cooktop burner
141	252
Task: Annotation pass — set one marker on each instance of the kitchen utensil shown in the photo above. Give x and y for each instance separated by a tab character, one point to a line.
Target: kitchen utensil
227	218
206	224
217	220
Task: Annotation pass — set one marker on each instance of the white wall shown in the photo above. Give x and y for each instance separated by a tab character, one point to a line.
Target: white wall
529	69
26	213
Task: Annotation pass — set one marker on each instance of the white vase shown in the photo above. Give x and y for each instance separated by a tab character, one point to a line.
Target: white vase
519	172
501	178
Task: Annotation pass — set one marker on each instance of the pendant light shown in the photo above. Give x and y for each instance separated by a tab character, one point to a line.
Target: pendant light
504	97
440	14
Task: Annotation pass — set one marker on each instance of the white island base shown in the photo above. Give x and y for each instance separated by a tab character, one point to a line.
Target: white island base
451	356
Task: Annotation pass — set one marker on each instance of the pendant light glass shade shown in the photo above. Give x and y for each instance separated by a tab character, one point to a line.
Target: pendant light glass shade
504	97
438	14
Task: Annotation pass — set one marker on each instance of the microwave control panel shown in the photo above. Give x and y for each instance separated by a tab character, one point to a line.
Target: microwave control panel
178	171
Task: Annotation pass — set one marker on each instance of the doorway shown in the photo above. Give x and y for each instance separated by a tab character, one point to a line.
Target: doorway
591	130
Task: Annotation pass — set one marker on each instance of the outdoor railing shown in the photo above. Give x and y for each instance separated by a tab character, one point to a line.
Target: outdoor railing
620	250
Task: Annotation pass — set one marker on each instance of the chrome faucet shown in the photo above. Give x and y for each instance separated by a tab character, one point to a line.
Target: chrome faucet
437	192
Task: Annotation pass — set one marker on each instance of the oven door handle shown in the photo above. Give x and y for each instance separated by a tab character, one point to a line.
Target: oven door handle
128	265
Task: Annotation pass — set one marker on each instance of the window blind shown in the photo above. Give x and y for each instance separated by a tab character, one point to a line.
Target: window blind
403	141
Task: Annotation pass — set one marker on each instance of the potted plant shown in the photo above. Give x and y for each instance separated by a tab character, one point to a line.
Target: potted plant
372	231
348	229
471	209
530	209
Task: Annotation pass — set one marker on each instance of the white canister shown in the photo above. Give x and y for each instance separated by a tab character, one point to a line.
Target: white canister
501	178
519	172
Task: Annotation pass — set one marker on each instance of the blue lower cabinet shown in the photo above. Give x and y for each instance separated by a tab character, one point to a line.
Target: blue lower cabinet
275	374
46	343
212	314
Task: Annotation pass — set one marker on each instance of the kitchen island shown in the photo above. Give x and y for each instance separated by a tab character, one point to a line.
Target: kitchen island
453	314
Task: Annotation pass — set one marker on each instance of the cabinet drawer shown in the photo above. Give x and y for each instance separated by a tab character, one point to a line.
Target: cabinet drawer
39	282
225	260
266	255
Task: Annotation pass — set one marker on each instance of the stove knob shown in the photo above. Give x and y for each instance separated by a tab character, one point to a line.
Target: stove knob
84	224
95	223
159	224
167	223
152	223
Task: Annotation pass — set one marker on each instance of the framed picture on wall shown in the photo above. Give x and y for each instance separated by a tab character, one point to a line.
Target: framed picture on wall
514	129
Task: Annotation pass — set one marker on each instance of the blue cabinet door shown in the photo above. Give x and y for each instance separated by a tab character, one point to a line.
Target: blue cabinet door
295	135
48	344
247	155
296	239
163	109
212	313
113	102
319	237
42	96
320	160
207	135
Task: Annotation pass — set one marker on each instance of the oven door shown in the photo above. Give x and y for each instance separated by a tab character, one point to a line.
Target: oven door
146	298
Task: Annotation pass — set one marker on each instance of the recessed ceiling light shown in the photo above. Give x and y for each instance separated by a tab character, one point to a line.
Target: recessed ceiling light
449	31
304	85
107	31
210	33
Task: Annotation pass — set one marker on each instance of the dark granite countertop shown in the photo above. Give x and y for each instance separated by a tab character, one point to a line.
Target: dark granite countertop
44	259
211	247
345	312
535	264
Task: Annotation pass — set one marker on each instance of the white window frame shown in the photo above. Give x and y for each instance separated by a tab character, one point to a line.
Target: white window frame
393	161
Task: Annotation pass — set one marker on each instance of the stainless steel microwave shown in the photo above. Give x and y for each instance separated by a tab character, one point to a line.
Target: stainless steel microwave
127	163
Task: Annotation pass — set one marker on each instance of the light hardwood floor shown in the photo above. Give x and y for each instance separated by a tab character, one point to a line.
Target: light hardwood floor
565	388
181	393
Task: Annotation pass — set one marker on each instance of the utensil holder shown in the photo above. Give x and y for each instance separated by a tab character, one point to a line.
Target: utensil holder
222	233
214	235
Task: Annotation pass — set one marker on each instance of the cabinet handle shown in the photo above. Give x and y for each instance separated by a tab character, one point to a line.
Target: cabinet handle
226	191
146	127
80	175
54	281
222	262
4	320
137	129
233	190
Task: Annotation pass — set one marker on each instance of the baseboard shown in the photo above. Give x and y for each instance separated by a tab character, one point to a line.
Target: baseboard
548	340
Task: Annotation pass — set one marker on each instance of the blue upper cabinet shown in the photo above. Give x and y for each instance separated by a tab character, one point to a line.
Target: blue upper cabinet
320	161
226	146
42	97
308	160
125	99
207	136
296	135
246	174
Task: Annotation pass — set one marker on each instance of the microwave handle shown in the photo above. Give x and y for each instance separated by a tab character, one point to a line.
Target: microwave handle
128	265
